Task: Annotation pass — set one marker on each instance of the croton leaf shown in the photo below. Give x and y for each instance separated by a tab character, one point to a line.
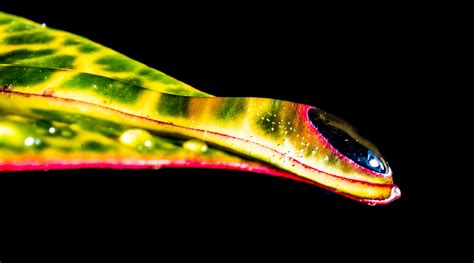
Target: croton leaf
67	103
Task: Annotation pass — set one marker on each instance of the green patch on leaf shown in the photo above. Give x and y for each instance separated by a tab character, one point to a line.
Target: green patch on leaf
29	38
4	21
88	48
155	75
95	146
231	108
16	55
60	61
269	122
116	64
171	105
134	81
111	89
20	27
71	42
23	76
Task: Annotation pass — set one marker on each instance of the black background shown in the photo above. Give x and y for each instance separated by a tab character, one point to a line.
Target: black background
361	63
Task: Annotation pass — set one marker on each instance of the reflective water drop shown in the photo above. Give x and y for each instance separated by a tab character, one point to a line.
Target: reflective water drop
138	139
52	130
32	141
374	163
195	146
18	135
29	141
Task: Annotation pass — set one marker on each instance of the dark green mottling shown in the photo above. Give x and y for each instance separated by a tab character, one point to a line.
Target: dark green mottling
23	76
59	61
155	75
231	108
95	146
29	38
133	81
171	105
42	126
19	27
64	149
108	128
67	133
88	48
332	159
71	42
272	116
111	89
116	64
15	55
4	21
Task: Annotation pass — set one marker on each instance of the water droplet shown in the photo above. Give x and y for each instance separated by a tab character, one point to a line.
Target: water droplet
374	163
195	146
29	141
43	25
137	138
